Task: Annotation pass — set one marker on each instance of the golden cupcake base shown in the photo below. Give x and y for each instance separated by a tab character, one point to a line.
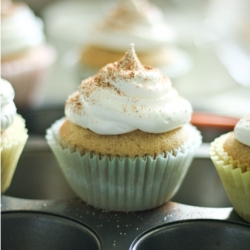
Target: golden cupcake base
234	175
13	140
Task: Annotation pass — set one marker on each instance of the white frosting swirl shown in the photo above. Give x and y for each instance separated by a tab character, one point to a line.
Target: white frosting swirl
8	108
125	96
20	30
135	21
242	130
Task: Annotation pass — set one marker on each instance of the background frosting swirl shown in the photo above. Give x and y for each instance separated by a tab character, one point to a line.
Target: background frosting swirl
20	30
8	108
242	130
132	21
125	96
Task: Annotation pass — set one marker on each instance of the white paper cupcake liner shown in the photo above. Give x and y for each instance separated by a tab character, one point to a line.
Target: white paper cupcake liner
123	184
27	77
10	154
235	177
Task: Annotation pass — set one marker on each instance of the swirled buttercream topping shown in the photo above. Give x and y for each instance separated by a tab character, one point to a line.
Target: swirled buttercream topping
242	130
135	21
126	96
8	108
20	29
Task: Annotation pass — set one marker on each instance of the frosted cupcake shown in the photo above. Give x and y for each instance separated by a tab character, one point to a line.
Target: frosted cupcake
25	56
126	142
133	21
13	135
230	154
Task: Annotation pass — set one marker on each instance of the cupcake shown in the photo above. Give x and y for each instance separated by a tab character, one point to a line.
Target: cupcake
133	21
230	154
25	56
125	143
13	135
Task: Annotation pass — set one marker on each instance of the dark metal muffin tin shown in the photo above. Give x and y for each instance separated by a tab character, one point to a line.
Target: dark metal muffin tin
195	234
36	230
58	224
40	211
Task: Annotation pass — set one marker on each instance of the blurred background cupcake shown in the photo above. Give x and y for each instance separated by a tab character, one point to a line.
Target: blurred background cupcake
13	135
126	142
139	22
202	30
25	56
230	154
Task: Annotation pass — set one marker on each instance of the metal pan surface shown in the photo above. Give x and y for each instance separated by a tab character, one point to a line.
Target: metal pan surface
36	230
195	234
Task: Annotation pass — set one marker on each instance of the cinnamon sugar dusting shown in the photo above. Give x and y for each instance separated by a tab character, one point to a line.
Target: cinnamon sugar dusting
129	63
75	103
120	17
124	96
125	14
95	82
126	68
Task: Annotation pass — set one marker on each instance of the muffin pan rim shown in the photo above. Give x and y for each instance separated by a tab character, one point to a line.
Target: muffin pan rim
123	228
165	227
57	220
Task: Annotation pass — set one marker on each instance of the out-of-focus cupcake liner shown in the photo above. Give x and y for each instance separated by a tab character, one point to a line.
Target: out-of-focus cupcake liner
123	184
27	77
235	177
10	154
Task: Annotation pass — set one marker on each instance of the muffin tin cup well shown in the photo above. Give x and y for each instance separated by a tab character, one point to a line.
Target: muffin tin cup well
195	234
37	230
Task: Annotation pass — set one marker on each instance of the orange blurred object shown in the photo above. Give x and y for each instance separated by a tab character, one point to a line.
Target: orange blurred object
200	119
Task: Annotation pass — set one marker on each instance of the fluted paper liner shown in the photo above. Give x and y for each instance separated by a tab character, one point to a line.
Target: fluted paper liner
123	184
11	150
235	177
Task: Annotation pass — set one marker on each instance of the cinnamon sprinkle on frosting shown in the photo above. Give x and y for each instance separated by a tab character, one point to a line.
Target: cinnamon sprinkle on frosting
130	61
77	105
124	96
